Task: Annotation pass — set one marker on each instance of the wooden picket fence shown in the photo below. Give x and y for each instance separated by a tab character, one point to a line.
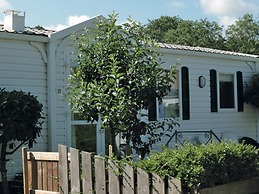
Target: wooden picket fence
81	172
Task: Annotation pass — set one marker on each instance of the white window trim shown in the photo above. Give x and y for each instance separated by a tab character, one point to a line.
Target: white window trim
179	97
235	92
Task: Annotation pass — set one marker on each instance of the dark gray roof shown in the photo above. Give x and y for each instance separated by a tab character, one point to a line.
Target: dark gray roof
204	50
29	31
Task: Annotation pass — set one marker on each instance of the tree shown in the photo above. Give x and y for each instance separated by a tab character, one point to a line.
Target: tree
20	123
39	27
243	35
196	33
157	28
118	74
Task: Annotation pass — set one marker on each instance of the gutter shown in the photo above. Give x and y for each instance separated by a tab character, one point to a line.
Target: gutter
51	70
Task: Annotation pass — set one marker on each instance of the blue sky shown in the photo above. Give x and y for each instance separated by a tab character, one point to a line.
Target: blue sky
58	14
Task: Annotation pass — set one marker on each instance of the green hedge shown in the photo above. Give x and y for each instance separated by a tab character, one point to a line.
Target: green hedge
200	166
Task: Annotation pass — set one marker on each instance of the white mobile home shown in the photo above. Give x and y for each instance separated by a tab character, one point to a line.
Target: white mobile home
39	61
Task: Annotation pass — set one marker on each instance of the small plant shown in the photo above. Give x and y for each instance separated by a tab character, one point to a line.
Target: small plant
251	94
200	166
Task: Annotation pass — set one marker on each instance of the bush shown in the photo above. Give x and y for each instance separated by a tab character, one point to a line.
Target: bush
251	94
200	166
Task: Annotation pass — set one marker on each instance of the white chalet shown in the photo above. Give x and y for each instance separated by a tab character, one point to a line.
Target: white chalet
206	96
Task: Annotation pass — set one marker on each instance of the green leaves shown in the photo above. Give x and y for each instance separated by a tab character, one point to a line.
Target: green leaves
200	166
20	117
186	32
251	94
118	70
243	35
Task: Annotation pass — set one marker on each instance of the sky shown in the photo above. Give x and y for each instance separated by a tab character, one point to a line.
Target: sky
59	14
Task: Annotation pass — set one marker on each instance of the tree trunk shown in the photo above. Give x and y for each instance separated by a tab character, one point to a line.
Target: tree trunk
113	142
3	168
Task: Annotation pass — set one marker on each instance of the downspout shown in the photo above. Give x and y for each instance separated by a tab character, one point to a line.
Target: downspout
257	111
51	69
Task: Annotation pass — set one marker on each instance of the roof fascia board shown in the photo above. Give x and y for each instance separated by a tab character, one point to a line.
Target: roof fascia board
76	28
205	54
24	37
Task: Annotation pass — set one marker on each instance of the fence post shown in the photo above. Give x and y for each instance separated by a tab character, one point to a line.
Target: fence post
100	178
74	166
174	186
143	181
128	180
87	170
63	169
158	184
113	175
25	171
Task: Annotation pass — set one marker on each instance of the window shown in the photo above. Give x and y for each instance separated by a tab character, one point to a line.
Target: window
169	107
83	134
226	91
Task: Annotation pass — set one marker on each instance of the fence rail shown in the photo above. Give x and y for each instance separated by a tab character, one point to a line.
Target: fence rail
81	172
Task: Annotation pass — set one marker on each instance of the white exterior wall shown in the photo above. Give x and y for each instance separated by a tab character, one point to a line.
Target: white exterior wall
201	118
63	60
22	68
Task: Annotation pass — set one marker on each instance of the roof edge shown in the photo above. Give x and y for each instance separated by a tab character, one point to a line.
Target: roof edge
169	47
75	28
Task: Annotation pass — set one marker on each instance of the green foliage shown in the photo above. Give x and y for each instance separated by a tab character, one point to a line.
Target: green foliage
196	33
20	117
243	35
251	94
200	166
39	27
186	32
118	73
157	28
20	123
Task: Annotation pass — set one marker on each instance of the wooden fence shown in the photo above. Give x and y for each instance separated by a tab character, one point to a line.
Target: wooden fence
81	172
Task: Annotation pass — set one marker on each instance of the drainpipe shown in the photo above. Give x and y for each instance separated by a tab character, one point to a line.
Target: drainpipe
257	111
51	69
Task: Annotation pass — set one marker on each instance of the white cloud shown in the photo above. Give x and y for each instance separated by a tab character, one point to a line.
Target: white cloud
71	20
4	5
177	4
227	20
228	10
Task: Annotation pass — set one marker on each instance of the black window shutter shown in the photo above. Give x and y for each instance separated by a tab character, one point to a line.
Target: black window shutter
240	97
213	91
152	114
185	93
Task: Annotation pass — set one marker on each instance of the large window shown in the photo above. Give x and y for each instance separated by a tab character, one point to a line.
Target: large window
226	91
169	108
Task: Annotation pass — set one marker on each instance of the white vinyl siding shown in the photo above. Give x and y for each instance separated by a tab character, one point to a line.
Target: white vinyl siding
22	68
201	117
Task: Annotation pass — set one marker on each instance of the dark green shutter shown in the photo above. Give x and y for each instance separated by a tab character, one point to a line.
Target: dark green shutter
240	97
213	91
185	93
152	114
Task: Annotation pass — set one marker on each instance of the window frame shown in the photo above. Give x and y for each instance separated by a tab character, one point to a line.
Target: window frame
235	91
179	85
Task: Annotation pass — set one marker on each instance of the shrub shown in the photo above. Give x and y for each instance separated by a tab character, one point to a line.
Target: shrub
200	166
251	94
